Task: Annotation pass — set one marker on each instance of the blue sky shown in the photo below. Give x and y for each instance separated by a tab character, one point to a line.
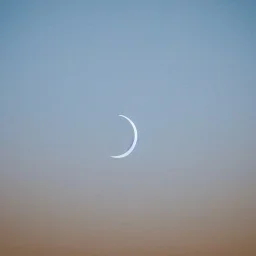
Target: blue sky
184	73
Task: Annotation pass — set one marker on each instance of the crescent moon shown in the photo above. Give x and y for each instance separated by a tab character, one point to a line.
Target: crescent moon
129	151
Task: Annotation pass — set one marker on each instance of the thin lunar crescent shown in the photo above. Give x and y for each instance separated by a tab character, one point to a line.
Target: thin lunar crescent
129	151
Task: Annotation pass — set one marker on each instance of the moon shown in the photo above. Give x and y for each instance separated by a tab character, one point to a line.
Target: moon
129	151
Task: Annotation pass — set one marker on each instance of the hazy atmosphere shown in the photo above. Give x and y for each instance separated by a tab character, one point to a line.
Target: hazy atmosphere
184	72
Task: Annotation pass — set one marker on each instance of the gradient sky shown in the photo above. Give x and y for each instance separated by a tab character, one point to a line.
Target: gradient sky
183	71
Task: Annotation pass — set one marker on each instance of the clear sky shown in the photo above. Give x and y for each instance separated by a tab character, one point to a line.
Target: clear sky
183	71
